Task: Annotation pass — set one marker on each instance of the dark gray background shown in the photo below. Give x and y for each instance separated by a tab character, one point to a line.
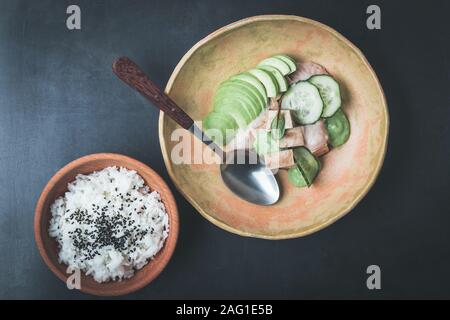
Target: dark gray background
59	100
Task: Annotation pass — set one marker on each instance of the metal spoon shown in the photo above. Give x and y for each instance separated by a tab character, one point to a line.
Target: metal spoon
242	171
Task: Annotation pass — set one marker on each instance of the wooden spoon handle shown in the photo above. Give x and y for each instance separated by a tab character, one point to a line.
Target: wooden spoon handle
131	74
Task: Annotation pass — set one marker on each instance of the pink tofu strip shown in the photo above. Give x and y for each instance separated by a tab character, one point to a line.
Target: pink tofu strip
273	104
305	70
244	138
292	138
316	138
280	159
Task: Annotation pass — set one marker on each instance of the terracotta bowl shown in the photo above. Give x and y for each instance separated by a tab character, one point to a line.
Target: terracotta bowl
57	186
348	171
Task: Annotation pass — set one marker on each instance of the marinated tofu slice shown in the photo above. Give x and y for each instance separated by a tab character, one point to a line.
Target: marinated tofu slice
259	123
306	70
286	114
244	138
280	159
292	138
274	104
322	150
316	138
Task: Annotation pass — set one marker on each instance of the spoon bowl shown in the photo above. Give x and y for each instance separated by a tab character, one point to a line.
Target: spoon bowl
245	174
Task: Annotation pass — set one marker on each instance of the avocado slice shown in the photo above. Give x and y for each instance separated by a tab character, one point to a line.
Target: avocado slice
289	61
216	125
247	77
281	80
237	91
236	98
268	80
279	64
237	110
247	87
262	98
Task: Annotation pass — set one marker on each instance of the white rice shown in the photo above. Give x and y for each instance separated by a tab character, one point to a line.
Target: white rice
109	224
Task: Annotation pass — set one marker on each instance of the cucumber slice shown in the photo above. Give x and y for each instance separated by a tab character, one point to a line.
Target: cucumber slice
330	93
281	80
269	82
219	127
231	87
276	63
338	128
289	61
247	77
308	164
296	177
264	143
304	100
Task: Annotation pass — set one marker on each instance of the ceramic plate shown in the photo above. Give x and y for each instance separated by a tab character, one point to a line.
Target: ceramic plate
348	171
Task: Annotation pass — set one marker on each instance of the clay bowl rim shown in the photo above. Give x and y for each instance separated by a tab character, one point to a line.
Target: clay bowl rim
236	25
169	244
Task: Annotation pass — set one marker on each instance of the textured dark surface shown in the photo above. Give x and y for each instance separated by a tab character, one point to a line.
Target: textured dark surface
59	100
